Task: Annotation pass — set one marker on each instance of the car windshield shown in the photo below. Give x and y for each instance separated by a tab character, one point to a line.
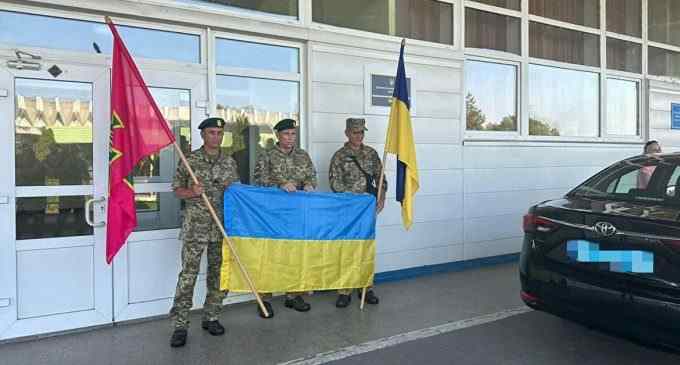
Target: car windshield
653	178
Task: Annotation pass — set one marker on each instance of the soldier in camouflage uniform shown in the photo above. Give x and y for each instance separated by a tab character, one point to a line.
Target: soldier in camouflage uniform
291	169
215	172
348	172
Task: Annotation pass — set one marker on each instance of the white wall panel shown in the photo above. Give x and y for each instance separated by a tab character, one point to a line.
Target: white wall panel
493	228
414	258
421	235
659	119
337	68
436	78
492	248
490	156
337	98
55	281
427	208
500	203
524	178
437	104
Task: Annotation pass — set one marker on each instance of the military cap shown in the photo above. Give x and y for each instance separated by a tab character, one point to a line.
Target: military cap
284	124
356	123
212	123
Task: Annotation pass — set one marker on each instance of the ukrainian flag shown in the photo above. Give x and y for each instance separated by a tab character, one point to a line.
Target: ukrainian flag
400	142
298	241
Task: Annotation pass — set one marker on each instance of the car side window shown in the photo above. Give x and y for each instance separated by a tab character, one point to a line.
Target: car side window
672	189
624	183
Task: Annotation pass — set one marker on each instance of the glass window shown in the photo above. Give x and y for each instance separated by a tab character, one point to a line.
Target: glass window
78	35
581	12
53	133
492	31
251	107
624	56
623	116
663	62
157	211
426	20
564	45
51	216
280	7
491	96
664	21
563	102
175	105
624	17
240	54
509	4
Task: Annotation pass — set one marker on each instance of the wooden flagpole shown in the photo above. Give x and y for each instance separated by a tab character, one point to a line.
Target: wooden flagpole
217	220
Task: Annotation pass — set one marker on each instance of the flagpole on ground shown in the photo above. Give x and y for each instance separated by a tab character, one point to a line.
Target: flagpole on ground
217	220
208	205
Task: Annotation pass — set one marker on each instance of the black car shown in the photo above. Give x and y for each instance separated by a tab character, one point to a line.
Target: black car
608	253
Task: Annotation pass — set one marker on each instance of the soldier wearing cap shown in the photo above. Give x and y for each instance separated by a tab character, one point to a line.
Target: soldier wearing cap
356	168
290	168
215	172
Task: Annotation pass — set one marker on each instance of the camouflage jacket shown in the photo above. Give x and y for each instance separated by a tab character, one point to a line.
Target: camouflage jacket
275	168
213	173
345	175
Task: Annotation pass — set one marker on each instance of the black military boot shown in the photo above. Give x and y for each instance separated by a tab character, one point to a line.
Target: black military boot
370	297
343	300
297	303
269	308
179	338
213	327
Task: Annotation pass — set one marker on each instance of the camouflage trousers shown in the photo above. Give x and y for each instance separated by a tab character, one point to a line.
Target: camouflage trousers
191	260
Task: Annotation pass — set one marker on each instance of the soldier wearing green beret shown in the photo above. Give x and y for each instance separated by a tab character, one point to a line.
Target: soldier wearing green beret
356	168
215	172
290	168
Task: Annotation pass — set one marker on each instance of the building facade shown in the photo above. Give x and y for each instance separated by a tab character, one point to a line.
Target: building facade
513	102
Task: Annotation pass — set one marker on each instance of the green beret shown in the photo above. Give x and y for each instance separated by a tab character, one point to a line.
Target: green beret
212	123
285	124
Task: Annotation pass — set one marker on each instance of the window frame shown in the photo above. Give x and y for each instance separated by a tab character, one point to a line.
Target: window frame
455	16
475	134
214	71
524	60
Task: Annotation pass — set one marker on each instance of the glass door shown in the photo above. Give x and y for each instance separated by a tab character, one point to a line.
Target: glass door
54	159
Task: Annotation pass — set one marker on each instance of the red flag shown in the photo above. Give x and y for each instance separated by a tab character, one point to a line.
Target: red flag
138	129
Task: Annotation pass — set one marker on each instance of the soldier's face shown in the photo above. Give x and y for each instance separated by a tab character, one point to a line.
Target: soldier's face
212	137
355	137
287	138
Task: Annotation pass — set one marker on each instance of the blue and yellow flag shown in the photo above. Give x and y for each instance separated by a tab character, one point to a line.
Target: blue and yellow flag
298	241
400	142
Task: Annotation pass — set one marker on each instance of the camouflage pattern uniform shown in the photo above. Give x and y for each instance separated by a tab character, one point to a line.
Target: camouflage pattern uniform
199	232
345	175
275	168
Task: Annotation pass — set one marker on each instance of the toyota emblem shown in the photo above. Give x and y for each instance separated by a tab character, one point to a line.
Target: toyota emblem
605	229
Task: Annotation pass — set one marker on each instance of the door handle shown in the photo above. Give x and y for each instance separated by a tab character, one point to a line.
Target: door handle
88	205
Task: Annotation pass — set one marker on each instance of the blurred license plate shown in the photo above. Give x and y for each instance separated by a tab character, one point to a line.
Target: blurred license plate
619	260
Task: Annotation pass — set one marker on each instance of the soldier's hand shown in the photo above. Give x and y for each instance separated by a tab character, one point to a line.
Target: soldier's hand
380	205
197	189
226	185
289	187
309	187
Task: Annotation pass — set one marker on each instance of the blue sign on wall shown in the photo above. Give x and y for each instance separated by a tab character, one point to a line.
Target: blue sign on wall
675	116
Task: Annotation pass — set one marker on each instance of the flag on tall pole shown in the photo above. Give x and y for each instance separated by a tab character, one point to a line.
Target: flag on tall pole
399	141
138	129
